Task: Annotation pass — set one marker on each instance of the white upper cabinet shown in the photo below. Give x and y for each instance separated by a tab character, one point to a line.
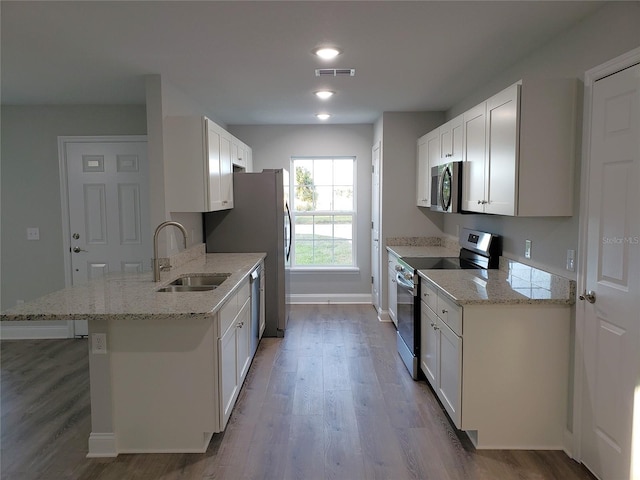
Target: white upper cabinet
451	141
240	153
198	168
519	150
428	156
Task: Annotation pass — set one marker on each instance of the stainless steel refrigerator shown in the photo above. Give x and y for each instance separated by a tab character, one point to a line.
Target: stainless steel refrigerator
259	221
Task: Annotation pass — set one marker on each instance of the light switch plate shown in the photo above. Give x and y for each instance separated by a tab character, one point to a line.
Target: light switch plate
571	259
527	249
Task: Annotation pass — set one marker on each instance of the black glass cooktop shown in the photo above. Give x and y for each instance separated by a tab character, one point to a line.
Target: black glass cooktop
435	263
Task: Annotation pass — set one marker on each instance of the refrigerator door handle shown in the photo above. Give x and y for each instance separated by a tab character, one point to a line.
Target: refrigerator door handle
290	231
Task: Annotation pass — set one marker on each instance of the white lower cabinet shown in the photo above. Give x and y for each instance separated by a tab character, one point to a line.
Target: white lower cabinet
234	353
441	361
507	384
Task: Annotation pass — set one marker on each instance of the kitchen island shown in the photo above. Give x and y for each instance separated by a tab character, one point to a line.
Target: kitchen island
165	367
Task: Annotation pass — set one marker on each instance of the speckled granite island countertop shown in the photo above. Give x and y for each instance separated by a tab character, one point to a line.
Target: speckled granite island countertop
514	283
134	296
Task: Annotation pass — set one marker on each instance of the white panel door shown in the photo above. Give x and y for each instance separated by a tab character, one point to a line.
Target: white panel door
376	259
611	318
108	199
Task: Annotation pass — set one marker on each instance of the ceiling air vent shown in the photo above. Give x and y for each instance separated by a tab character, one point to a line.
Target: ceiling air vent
335	72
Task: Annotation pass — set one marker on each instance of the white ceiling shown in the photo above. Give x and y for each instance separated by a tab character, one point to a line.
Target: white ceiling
250	62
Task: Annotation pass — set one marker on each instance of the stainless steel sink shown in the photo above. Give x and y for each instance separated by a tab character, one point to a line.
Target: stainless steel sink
187	288
201	280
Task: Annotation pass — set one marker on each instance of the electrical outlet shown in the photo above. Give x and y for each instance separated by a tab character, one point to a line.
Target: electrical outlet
527	249
33	233
99	343
571	259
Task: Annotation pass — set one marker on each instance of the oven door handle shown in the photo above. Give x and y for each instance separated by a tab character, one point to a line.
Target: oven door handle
405	284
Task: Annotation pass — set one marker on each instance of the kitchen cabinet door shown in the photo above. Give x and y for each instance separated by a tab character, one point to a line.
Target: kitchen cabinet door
429	345
229	370
449	346
451	140
226	172
474	179
243	350
428	156
502	152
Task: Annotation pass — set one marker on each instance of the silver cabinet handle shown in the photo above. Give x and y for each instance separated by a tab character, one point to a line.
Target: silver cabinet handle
444	311
240	325
589	296
78	250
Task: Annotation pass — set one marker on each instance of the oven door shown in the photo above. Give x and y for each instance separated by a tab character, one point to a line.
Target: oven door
407	324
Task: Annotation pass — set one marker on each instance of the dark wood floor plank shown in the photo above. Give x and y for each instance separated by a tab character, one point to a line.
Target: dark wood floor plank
332	400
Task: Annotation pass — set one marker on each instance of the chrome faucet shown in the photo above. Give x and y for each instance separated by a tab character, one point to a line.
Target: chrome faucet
156	260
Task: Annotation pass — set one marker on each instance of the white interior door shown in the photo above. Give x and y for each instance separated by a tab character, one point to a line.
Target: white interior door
611	321
108	209
375	227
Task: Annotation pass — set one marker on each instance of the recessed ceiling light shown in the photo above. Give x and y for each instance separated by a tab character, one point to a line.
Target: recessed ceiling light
324	94
327	53
322	116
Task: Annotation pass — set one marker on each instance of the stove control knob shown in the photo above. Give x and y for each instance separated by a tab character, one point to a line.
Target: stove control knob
408	276
399	268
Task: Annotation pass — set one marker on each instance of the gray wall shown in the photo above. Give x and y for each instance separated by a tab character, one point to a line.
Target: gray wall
611	31
31	188
398	133
274	145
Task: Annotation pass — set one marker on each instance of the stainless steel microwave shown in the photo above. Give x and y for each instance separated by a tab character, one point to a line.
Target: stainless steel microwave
446	187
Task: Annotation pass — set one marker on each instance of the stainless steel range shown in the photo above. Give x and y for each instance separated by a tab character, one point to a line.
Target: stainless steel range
479	250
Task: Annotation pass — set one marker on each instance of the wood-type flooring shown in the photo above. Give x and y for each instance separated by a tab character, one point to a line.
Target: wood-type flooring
332	400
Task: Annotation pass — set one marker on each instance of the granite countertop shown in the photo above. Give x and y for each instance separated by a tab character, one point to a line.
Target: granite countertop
134	296
514	285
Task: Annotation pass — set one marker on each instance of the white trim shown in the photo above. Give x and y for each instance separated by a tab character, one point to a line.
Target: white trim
102	445
28	331
329	298
567	442
383	316
590	77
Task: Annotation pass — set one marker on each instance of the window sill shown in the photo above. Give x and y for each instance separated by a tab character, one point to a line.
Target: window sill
330	270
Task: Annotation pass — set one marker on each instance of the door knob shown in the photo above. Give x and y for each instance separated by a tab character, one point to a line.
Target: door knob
589	296
78	250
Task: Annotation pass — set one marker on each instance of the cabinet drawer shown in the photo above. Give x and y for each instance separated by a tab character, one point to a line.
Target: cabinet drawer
429	295
244	291
228	313
450	313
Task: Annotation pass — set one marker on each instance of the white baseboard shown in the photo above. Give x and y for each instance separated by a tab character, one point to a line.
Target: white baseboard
35	330
383	316
102	445
329	298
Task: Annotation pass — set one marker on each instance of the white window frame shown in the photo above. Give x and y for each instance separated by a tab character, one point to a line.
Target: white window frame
324	268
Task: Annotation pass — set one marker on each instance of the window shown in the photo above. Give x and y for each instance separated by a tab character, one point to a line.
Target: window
323	212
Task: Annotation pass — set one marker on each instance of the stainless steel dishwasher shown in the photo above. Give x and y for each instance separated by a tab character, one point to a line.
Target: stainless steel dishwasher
256	276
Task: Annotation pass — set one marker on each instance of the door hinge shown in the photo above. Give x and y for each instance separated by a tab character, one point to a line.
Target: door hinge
372	280
371	225
373	169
